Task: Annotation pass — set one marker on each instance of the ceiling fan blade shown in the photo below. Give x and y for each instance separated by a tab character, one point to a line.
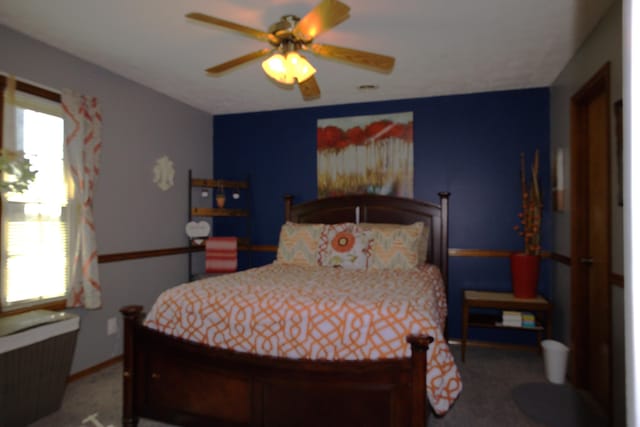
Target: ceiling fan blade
248	31
327	14
221	68
309	89
373	61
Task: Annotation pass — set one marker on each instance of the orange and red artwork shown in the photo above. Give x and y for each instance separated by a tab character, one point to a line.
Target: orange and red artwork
366	154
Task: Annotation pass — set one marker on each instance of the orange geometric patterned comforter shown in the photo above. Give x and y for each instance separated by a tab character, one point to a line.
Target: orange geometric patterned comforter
326	313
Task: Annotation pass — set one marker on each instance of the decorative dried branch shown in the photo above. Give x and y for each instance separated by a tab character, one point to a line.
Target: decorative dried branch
531	215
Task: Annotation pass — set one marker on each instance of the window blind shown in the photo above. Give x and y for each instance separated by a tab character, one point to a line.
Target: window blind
35	223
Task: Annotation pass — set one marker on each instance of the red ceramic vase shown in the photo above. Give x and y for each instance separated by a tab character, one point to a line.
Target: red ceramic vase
525	271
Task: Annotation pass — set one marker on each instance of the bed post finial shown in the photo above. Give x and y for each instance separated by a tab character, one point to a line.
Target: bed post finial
288	203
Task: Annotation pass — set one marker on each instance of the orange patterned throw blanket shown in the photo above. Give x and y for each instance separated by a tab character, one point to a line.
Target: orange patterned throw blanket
325	313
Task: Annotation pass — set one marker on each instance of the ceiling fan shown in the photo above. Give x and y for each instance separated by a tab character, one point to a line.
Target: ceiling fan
288	37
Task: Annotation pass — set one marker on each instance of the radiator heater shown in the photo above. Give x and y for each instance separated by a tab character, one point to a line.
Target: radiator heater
36	349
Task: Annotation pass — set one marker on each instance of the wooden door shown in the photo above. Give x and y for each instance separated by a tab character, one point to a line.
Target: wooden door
590	238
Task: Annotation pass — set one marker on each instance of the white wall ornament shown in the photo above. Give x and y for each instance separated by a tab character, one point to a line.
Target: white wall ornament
197	230
163	173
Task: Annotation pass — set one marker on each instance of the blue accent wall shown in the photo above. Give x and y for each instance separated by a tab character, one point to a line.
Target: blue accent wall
468	145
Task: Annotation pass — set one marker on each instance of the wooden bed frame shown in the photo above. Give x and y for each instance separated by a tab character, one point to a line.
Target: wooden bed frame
180	382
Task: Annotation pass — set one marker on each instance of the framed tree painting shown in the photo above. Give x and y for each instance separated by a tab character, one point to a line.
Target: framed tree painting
366	154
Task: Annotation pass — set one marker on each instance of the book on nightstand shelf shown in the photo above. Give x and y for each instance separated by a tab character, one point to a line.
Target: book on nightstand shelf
528	320
511	318
518	319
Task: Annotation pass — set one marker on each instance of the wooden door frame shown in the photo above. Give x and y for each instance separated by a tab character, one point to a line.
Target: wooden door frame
598	85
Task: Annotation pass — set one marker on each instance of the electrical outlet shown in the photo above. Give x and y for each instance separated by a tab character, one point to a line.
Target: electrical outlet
112	326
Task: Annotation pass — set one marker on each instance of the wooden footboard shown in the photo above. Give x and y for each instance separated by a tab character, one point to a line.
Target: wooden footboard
184	383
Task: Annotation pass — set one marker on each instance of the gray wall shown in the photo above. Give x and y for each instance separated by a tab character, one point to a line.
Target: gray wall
604	44
131	213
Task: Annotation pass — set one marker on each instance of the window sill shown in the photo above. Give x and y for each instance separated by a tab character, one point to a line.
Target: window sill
52	305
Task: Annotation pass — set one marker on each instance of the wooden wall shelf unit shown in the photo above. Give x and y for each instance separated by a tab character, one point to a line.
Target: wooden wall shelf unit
213	212
233	209
539	306
243	244
214	183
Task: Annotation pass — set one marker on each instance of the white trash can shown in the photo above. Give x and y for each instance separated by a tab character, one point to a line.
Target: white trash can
555	356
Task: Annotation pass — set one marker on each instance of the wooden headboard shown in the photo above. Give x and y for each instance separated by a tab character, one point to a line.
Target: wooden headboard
381	209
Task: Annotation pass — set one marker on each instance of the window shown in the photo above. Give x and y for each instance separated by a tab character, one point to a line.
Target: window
35	224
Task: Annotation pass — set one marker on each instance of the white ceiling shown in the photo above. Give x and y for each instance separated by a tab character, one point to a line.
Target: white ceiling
441	47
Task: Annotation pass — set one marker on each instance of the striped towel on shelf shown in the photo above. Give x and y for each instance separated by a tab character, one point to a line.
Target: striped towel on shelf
221	254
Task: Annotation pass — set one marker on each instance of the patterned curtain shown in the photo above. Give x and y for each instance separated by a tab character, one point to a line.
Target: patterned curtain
82	145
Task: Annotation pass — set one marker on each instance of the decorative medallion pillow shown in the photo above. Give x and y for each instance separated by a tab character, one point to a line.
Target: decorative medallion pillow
396	246
298	244
344	245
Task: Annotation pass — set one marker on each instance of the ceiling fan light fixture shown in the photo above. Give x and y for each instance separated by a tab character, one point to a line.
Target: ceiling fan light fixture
301	69
288	68
276	67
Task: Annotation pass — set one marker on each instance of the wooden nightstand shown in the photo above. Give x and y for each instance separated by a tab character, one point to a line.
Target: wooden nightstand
502	301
